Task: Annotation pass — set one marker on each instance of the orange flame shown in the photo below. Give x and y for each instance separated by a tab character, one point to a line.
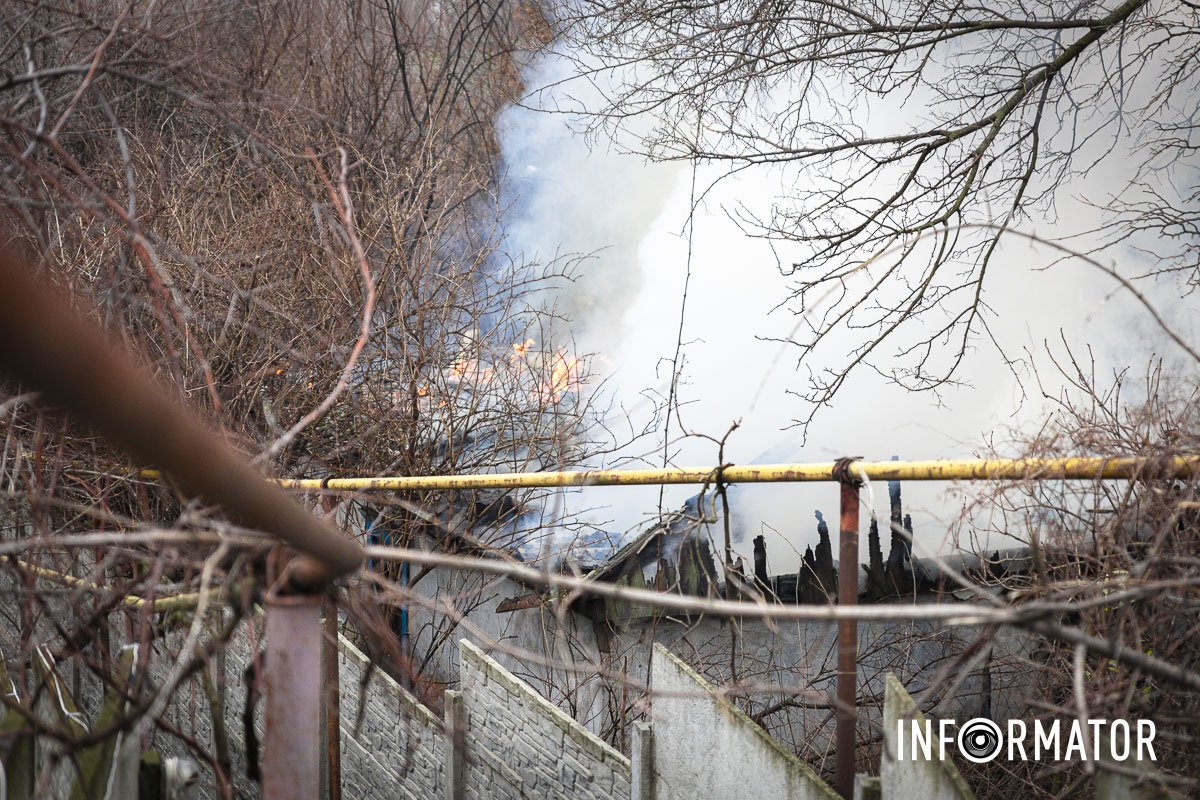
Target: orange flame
564	375
469	370
519	350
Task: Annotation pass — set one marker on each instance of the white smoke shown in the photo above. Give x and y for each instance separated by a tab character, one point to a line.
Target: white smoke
580	201
576	198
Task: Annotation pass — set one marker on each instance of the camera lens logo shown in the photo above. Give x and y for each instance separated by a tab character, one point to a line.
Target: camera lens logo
980	740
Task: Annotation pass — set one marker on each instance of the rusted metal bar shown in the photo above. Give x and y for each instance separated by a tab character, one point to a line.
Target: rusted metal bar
292	758
847	672
77	368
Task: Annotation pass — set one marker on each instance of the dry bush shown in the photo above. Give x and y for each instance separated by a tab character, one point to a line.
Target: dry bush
1118	557
290	211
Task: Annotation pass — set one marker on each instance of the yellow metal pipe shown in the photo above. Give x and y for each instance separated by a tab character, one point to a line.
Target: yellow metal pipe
172	603
1089	468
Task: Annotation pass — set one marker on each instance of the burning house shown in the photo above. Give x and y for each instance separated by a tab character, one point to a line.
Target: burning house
680	554
587	653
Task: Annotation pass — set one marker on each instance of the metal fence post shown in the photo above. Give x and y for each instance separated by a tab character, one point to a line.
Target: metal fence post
331	708
847	672
292	757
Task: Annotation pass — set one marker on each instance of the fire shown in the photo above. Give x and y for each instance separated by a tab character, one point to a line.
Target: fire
466	369
519	350
563	367
546	376
564	375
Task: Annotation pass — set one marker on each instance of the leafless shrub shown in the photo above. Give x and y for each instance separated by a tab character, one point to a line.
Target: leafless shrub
291	211
1117	557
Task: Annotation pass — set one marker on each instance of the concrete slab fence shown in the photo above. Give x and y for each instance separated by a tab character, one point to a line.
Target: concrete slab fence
499	738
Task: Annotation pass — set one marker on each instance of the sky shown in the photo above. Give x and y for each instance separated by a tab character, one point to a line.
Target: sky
575	195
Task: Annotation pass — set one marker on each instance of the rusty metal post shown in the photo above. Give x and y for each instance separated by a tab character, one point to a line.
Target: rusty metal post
292	757
847	674
332	706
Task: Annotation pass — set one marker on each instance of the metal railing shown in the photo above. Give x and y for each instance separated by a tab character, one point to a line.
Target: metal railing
47	347
849	473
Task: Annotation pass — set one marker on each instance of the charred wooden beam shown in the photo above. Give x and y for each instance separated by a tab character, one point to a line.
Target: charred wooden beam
761	578
827	575
532	600
809	589
876	585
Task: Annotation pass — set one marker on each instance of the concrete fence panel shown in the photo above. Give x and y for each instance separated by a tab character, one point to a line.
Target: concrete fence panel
704	746
514	729
903	777
392	746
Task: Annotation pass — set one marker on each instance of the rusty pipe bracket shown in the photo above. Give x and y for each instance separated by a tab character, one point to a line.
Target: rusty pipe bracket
841	471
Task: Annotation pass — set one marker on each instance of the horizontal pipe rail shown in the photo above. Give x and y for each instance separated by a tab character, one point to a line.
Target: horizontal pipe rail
169	603
79	369
1073	468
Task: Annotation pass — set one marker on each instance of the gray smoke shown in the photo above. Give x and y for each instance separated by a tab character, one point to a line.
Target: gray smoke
576	198
579	201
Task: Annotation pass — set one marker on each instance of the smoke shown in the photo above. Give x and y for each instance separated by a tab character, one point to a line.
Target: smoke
574	197
579	200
